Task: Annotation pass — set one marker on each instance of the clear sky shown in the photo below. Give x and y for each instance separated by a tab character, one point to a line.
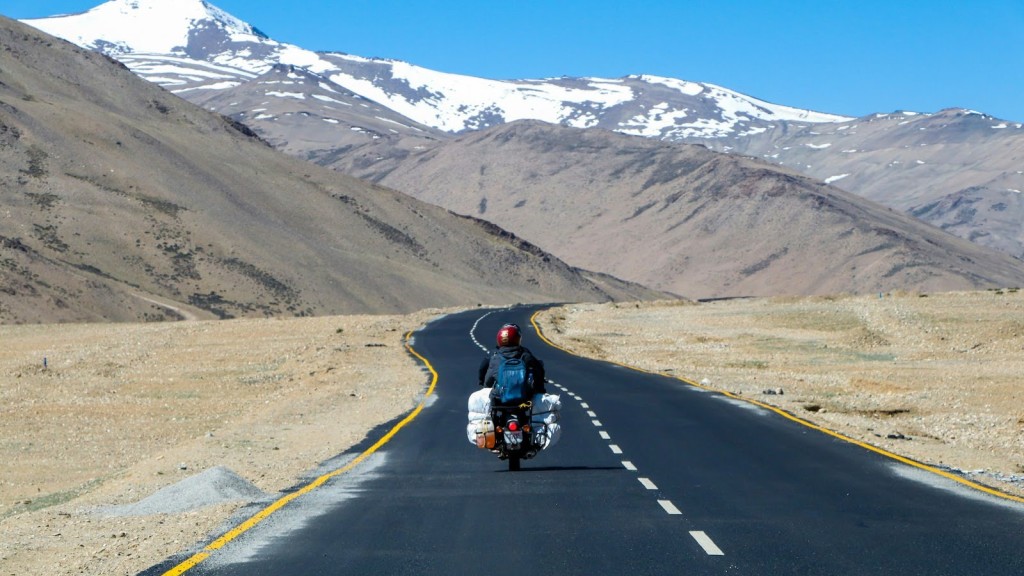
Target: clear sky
842	57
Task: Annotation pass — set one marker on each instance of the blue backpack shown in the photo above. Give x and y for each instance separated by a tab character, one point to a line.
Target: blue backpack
513	384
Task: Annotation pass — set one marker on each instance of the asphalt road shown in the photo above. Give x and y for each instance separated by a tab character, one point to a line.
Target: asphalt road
651	476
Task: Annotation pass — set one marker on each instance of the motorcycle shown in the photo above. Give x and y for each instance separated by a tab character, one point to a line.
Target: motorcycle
516	432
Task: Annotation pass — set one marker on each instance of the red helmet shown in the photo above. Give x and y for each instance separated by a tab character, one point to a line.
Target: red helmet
509	335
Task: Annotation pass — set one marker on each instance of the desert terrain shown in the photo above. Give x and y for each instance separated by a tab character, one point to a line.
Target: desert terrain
96	418
120	411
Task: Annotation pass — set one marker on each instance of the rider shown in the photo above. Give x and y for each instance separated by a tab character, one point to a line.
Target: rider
509	339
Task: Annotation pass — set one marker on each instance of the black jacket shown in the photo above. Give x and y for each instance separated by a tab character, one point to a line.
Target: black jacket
534	367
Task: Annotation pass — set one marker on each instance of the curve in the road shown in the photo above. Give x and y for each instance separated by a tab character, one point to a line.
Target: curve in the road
705	542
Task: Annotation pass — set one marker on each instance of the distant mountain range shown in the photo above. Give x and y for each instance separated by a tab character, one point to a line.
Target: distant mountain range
597	171
190	46
958	169
123	202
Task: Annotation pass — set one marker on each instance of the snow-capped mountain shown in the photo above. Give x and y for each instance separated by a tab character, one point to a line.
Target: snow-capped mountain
151	27
364	116
193	48
308	116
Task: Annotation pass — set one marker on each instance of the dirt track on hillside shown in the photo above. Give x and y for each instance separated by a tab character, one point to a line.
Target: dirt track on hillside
121	411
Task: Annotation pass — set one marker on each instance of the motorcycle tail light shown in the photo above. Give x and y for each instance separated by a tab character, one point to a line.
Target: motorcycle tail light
513	426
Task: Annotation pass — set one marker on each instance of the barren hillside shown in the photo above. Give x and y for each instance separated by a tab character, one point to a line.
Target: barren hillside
688	220
124	202
957	169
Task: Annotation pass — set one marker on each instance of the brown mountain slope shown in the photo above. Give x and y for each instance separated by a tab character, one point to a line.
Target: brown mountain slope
957	169
688	220
121	201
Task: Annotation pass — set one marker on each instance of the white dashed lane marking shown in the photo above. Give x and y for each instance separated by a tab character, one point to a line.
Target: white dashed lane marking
669	507
706	543
702	539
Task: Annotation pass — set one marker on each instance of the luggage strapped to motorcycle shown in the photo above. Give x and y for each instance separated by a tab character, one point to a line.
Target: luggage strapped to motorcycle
499	411
528	405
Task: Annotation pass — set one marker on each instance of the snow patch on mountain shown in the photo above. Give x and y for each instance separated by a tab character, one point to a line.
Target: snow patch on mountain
659	118
454	103
166	25
735	105
687	88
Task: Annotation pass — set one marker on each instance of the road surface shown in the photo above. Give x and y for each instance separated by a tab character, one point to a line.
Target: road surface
652	476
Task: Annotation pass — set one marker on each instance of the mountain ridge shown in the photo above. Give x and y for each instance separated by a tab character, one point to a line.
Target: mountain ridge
124	202
449	102
378	140
215	54
683	218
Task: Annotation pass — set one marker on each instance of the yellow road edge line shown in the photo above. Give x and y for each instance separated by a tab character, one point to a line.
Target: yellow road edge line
244	527
959	479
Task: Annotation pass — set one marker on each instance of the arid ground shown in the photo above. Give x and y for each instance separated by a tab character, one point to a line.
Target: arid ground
119	411
938	378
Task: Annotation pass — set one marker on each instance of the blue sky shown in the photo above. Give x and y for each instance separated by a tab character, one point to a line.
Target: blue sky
852	58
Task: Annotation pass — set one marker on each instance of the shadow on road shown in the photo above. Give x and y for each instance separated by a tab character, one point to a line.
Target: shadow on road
563	468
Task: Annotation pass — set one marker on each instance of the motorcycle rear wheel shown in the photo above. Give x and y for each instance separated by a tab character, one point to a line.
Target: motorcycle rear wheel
513	463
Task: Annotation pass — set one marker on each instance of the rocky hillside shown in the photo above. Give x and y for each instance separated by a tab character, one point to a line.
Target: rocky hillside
123	202
957	169
689	220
